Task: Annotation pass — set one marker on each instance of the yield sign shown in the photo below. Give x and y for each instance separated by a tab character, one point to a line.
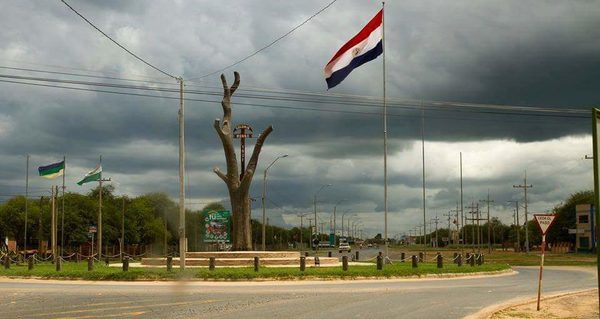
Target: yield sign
544	221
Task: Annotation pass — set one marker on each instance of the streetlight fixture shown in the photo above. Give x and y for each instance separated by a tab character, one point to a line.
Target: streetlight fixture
343	220
264	195
315	208
334	221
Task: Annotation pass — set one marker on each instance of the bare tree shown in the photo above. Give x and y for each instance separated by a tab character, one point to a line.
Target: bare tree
238	186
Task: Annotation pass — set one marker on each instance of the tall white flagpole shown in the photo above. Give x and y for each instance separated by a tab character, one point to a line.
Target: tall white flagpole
385	181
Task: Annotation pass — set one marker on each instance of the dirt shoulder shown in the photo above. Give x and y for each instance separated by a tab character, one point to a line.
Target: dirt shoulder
580	305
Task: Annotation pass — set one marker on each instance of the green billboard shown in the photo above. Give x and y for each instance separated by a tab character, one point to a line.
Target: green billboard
217	227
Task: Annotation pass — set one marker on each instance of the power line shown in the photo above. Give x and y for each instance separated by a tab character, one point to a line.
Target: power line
268	45
437	106
117	43
315	109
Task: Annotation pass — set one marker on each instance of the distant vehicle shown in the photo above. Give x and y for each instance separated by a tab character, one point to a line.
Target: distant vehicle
370	246
344	247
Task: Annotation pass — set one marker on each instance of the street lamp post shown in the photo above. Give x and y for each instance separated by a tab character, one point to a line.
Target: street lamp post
264	195
334	223
315	208
343	221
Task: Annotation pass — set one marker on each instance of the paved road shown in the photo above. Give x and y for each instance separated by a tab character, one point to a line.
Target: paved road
328	299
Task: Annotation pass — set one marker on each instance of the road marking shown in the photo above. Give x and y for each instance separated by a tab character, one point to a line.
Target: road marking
125	314
124	307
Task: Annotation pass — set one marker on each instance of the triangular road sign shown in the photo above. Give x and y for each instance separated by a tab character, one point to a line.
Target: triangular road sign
544	221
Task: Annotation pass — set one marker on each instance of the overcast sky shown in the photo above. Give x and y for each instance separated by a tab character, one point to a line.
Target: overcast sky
517	53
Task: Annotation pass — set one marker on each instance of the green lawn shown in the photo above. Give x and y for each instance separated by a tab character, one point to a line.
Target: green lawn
71	270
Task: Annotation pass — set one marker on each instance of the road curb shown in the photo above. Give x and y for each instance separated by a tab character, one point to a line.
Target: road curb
488	312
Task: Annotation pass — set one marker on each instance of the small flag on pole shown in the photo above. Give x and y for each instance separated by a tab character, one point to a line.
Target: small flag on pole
362	48
92	176
53	170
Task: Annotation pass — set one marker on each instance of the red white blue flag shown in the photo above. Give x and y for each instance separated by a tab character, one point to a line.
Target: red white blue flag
362	48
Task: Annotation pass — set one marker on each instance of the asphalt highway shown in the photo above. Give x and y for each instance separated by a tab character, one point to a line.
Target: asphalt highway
418	298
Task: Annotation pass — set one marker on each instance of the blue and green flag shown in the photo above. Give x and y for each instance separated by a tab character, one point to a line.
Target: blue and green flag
52	170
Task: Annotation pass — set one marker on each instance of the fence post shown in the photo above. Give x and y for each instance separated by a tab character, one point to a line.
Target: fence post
455	259
302	263
90	263
345	263
472	260
440	260
125	263
6	262
30	263
106	261
459	260
357	255
421	256
58	263
414	261
170	263
402	256
211	263
481	260
380	261
306	254
329	254
256	263
317	261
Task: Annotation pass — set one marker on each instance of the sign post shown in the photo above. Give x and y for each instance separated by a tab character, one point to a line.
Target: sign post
544	221
92	230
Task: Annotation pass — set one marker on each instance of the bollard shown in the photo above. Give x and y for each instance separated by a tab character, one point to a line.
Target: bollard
356	256
306	254
211	263
6	262
459	260
402	256
472	260
256	263
414	261
328	254
77	258
421	255
454	258
169	263
345	263
90	263
30	263
380	261
58	264
440	261
126	264
302	263
317	261
106	261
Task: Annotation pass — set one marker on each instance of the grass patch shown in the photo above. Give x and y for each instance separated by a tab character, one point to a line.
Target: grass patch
71	270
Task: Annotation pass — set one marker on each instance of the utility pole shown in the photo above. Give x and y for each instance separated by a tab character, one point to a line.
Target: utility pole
301	227
99	209
122	243
488	201
26	200
182	238
461	204
525	187
423	158
436	220
53	223
315	210
264	196
449	214
472	219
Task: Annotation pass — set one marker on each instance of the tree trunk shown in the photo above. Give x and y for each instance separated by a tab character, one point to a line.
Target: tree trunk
238	186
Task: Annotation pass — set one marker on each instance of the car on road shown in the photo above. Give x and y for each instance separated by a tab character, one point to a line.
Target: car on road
344	247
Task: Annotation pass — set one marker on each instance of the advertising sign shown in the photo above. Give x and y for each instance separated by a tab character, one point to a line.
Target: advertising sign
217	227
